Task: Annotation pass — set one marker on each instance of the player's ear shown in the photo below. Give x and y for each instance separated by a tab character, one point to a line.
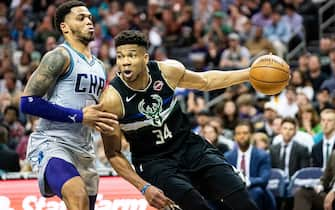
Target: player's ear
64	27
146	57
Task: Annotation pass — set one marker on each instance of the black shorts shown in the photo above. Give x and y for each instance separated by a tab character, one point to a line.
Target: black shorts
197	165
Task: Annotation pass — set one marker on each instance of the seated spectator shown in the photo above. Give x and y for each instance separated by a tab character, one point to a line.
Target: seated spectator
278	33
315	75
321	196
246	108
322	100
322	150
258	44
254	164
329	68
263	17
235	56
211	134
225	135
287	106
16	130
265	123
289	155
260	141
236	20
302	84
309	120
9	161
227	111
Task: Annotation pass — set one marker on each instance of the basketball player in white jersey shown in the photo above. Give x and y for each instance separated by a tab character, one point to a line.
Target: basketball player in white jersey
64	91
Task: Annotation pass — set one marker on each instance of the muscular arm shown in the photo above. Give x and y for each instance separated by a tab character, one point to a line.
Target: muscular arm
111	102
52	66
178	76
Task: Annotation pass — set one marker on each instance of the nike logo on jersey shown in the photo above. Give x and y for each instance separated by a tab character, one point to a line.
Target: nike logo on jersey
130	98
73	118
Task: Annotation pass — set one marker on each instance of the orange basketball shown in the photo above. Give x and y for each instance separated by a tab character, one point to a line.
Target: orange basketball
269	74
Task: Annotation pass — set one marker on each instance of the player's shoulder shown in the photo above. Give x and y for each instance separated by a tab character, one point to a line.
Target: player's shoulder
59	52
170	64
112	101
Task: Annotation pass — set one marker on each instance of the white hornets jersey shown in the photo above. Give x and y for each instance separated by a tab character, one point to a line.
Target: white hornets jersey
80	86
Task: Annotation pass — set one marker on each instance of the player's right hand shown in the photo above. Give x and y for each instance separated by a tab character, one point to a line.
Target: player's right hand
95	117
156	198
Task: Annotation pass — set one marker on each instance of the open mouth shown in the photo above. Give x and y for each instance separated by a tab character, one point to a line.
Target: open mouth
127	73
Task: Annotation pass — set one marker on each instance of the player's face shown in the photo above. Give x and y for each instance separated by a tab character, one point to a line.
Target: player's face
131	60
79	24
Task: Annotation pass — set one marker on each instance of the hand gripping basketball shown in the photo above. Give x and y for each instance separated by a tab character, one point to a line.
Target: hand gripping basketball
269	74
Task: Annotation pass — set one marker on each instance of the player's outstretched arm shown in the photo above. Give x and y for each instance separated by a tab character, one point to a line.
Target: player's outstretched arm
178	76
52	66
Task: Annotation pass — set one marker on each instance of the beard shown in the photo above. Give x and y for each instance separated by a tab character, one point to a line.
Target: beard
84	38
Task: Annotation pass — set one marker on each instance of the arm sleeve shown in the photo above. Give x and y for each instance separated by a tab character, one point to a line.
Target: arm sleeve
37	106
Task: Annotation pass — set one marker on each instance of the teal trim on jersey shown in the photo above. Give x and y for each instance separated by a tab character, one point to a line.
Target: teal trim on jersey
91	63
103	67
67	74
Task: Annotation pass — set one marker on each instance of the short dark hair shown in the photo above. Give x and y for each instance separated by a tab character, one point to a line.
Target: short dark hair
131	37
64	9
291	120
246	123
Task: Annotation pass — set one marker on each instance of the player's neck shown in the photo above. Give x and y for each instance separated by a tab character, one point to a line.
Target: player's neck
80	47
141	82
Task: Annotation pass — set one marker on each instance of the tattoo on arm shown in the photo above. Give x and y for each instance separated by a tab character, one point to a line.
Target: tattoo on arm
47	73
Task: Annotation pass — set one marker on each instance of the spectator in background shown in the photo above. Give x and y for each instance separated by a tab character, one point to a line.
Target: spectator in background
302	84
50	44
278	33
325	45
322	100
329	68
16	130
258	44
263	17
236	20
235	56
261	141
288	107
254	164
303	62
225	135
213	55
265	123
217	30
227	111
294	20
315	75
289	155
246	108
330	82
211	134
321	151
9	161
309	120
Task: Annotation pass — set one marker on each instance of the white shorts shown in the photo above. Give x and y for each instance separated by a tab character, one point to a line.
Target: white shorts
42	148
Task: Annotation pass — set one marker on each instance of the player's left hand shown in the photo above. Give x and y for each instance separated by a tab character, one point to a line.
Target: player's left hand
156	198
329	201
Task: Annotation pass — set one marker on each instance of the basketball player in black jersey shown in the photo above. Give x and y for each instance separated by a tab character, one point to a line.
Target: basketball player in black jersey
173	165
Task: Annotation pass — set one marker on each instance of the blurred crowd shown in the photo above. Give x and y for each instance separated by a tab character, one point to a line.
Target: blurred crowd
204	35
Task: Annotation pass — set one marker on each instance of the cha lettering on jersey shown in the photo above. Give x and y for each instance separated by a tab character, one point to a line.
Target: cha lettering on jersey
89	83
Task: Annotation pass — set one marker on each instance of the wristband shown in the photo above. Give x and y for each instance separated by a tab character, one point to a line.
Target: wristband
144	188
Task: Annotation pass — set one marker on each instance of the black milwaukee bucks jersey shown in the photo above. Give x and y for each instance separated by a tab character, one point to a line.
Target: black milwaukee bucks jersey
153	122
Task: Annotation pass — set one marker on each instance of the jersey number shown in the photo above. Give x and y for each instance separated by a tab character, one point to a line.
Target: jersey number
162	135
